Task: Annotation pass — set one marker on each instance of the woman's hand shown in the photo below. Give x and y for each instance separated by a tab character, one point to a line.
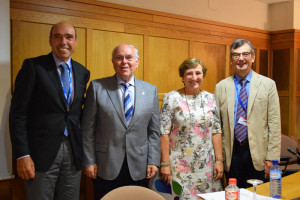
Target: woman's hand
166	173
218	170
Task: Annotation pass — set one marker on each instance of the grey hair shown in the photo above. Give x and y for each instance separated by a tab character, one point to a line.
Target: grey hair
239	42
135	49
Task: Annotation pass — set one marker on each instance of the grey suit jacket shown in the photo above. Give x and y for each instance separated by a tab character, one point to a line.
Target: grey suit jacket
263	117
106	137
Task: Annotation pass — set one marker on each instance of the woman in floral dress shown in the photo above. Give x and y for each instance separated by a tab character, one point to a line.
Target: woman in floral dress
191	141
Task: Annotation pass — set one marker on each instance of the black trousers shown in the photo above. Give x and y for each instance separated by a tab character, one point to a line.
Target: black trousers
102	186
242	167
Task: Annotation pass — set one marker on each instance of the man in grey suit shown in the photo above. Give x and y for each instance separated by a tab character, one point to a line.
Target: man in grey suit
121	141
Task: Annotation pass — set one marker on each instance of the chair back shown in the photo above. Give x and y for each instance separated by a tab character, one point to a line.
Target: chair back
132	193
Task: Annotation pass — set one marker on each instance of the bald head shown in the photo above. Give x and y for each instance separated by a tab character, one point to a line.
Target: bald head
63	24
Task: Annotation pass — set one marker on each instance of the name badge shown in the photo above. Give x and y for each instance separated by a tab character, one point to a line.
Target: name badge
242	121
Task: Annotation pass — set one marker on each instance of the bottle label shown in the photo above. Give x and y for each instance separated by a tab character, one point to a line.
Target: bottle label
275	174
232	195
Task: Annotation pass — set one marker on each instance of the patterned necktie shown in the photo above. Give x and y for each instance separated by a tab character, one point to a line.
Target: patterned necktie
65	77
128	107
240	131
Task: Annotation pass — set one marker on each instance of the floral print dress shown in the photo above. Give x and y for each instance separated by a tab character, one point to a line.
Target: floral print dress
190	121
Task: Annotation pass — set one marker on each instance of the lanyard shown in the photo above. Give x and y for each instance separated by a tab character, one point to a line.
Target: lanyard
67	96
238	96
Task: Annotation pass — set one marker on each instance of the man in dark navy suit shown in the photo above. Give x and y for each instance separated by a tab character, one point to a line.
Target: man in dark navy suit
45	117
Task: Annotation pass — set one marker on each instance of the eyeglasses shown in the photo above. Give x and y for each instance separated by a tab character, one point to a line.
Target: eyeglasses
121	58
238	55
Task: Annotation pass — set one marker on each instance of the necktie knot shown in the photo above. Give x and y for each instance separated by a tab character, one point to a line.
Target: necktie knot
243	82
126	85
64	67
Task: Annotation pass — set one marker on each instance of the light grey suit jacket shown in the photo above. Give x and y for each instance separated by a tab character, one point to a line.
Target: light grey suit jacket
263	117
106	137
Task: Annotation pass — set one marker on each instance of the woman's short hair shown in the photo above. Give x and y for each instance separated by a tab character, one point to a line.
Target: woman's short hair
190	63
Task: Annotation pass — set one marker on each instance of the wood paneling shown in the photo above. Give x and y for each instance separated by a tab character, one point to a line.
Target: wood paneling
281	68
213	57
297	72
101	44
284	112
165	56
264	62
297	123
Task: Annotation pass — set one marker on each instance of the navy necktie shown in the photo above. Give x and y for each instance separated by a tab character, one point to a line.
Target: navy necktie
128	107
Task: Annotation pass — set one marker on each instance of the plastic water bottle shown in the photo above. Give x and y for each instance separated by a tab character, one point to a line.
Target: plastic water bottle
275	180
232	192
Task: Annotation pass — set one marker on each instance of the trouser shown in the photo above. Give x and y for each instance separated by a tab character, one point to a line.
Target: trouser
102	186
242	167
60	182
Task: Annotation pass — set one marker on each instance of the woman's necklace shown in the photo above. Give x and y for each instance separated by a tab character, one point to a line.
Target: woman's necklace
191	123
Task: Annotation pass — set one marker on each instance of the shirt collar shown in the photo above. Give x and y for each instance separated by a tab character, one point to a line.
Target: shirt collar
59	62
131	82
248	77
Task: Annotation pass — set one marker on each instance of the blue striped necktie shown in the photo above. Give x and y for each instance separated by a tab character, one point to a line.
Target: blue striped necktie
240	131
128	107
65	78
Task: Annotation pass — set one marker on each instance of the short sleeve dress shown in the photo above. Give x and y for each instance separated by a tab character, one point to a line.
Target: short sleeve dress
190	121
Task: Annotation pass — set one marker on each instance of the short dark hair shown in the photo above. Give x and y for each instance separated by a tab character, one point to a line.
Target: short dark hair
239	42
59	23
189	63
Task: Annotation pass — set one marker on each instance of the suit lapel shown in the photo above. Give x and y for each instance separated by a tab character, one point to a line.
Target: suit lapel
230	92
53	74
254	85
75	79
113	93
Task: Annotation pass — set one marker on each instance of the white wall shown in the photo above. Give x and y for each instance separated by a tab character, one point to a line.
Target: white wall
282	16
5	147
249	13
269	15
297	14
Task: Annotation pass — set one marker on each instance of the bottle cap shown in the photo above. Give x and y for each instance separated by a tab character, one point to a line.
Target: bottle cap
275	162
232	181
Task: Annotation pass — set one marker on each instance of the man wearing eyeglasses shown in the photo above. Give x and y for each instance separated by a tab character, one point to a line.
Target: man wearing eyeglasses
121	134
250	115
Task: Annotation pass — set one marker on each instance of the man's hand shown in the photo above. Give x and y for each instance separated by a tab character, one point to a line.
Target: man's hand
25	168
218	170
268	165
91	171
166	173
151	170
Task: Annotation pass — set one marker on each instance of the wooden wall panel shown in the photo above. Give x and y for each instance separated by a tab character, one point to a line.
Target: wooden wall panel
213	57
281	68
297	73
264	62
297	123
100	46
284	112
165	56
